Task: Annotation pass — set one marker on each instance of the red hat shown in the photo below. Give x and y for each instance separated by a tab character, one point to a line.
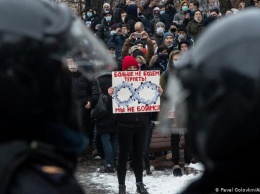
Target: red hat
129	61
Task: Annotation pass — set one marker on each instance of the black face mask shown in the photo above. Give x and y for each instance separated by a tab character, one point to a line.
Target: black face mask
157	15
173	30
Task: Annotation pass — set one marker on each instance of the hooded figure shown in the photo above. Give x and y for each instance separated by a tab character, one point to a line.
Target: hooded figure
156	18
131	17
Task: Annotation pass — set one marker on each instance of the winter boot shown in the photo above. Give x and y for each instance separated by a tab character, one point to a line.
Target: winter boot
140	188
147	166
122	189
177	170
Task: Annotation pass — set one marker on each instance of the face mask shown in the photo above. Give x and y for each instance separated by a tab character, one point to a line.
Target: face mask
113	55
185	8
89	14
181	36
108	18
159	30
112	32
156	14
162	12
173	30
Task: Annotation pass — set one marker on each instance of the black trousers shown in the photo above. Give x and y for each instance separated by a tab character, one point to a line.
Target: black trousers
149	132
130	138
175	140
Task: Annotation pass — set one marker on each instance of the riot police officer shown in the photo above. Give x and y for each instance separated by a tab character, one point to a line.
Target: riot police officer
40	141
216	88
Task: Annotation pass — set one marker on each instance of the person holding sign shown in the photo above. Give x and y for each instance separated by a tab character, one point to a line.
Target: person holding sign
131	133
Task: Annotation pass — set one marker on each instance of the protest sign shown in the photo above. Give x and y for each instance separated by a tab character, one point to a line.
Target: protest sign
136	91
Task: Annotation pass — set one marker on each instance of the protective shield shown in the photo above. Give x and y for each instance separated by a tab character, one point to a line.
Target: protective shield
88	52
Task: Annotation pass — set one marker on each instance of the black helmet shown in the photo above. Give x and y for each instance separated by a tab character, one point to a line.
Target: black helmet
218	84
35	38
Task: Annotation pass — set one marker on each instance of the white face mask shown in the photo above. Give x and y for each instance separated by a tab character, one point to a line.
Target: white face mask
159	30
112	32
108	18
162	12
181	36
89	14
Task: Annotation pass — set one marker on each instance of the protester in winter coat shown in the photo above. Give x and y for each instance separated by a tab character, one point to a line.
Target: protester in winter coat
144	37
82	91
104	30
196	26
148	8
160	60
91	19
119	39
131	134
132	17
182	35
106	125
158	32
143	19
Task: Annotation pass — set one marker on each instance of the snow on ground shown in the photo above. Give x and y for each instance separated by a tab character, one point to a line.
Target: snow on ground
160	182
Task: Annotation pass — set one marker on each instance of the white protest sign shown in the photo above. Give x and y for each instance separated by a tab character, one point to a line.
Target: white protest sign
136	91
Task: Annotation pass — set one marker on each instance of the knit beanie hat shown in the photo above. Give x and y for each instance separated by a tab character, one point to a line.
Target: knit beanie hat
182	2
167	34
138	52
159	24
111	45
106	5
139	42
156	9
182	29
184	42
129	61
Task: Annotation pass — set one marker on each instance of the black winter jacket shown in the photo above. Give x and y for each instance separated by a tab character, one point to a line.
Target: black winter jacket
106	124
82	89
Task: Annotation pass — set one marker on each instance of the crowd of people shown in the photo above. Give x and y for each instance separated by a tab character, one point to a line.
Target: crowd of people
48	62
151	36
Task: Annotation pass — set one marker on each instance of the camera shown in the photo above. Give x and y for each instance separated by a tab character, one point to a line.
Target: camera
138	36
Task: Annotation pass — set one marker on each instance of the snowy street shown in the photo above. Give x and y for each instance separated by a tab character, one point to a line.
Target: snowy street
160	182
